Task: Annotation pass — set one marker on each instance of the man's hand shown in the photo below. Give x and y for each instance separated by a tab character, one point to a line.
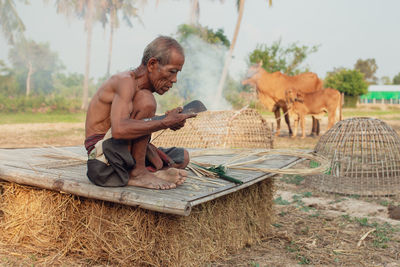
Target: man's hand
175	120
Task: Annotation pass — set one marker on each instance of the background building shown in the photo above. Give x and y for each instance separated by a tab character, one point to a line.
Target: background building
381	94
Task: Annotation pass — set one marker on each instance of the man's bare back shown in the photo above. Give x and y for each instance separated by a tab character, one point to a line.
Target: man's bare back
125	99
98	120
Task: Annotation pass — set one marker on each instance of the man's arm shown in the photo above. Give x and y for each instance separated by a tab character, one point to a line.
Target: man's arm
123	127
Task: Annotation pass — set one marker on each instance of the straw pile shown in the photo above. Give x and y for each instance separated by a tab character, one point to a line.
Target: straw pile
364	156
220	129
59	228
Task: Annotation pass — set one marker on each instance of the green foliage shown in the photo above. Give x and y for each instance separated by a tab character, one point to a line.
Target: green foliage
68	85
368	67
8	81
278	58
36	59
386	80
235	94
396	79
39	103
208	35
29	117
350	82
11	24
350	101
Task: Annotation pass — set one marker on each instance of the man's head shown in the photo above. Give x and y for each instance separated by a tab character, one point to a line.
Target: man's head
160	49
163	58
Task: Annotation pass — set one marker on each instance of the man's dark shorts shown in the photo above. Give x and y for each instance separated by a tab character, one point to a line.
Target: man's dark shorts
120	163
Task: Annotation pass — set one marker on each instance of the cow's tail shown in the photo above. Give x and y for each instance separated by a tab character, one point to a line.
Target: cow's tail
341	98
341	106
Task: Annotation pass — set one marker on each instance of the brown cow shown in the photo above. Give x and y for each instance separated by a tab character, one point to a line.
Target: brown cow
315	103
271	89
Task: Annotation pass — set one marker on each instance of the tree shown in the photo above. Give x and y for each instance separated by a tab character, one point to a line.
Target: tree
113	8
90	10
350	82
386	80
396	79
11	24
284	59
368	67
195	12
8	82
228	59
35	63
68	85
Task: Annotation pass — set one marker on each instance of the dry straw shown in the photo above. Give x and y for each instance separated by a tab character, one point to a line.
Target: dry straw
63	228
364	156
220	129
245	160
58	228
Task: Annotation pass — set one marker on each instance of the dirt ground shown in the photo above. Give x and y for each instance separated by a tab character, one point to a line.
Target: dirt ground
311	227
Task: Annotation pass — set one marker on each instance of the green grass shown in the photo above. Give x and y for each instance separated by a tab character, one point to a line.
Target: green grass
6	118
368	112
281	201
292	179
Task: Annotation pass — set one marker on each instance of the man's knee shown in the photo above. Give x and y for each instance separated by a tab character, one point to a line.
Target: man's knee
144	105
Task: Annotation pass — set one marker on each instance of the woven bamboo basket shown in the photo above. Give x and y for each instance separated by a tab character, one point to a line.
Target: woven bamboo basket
220	129
364	155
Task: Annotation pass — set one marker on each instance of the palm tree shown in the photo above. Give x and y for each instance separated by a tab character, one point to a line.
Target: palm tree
112	8
89	10
10	23
195	11
228	59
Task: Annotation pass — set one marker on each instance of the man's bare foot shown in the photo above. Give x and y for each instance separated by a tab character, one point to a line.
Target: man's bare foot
172	175
146	179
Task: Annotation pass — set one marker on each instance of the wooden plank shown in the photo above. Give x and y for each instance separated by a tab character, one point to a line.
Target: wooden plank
31	167
146	199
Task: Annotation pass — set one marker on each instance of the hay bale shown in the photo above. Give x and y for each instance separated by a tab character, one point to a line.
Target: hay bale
59	227
245	128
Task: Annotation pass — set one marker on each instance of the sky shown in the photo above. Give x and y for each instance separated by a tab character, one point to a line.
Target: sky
344	30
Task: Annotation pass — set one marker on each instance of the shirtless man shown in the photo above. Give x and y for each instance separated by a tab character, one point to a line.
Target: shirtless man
120	104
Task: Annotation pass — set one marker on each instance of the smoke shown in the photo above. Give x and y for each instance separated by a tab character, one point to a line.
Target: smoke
201	72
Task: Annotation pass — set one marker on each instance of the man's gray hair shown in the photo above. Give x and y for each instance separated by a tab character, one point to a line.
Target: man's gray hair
160	48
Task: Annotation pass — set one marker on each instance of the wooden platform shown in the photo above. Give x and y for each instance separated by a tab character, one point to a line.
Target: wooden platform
63	169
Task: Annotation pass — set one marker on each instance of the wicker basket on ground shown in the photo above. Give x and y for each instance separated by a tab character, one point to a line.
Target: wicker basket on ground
220	129
365	158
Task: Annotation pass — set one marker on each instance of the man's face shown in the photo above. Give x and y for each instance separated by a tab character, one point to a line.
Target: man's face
165	76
